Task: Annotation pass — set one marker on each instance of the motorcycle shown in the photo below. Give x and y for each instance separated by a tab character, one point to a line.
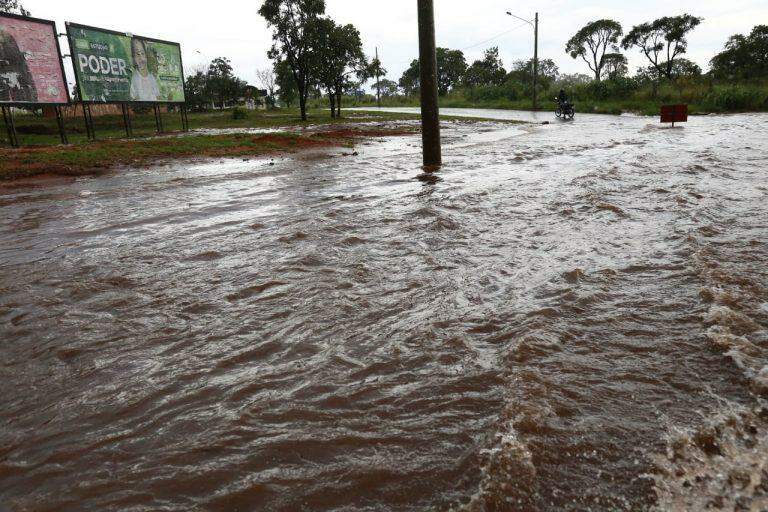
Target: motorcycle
565	109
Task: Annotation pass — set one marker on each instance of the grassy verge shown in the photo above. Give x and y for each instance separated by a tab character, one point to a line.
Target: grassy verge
35	130
97	157
607	97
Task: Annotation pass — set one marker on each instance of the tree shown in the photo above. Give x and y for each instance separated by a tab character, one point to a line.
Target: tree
684	68
196	89
13	7
615	65
522	72
221	83
743	56
268	80
488	71
409	82
665	36
376	71
451	67
339	55
592	41
286	84
388	88
295	27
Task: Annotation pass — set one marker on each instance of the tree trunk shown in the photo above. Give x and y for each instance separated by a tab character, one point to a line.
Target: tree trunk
332	99
338	103
303	102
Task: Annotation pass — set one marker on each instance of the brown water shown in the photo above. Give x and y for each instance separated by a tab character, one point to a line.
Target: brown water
570	317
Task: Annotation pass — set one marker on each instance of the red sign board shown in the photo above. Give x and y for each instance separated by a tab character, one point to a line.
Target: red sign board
674	114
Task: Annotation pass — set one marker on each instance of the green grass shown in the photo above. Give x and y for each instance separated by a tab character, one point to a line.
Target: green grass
701	96
39	131
95	157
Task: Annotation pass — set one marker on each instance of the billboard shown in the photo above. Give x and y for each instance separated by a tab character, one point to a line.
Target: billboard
31	70
114	67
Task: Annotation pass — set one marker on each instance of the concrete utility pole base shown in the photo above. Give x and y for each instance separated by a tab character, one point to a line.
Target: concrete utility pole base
430	114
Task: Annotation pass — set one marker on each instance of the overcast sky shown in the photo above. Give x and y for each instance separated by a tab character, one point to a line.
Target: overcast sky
232	28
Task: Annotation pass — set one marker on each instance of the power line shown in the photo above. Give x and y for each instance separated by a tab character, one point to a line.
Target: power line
494	37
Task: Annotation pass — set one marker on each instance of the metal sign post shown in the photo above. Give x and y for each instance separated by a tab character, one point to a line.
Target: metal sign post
127	120
674	114
10	126
60	123
430	114
88	117
184	118
158	119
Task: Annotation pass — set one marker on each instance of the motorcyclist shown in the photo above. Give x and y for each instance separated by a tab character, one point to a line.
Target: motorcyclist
562	98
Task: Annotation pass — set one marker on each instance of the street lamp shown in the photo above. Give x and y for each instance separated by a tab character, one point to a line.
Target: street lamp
535	25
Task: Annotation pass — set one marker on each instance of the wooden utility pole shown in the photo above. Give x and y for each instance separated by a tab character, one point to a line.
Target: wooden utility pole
378	78
430	114
536	62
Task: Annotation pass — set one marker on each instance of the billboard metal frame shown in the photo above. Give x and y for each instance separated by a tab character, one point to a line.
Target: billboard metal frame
52	24
76	26
7	106
125	106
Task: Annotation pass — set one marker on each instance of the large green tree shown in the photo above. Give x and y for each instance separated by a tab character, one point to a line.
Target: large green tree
295	28
488	71
662	41
744	57
286	84
451	67
339	56
591	43
222	85
13	7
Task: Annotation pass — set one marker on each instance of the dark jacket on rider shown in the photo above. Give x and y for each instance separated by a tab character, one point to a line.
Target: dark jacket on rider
562	98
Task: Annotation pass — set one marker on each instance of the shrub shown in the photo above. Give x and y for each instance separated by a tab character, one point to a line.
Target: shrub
239	113
734	97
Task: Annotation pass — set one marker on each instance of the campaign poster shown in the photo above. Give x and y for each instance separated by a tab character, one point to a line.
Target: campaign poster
113	67
31	71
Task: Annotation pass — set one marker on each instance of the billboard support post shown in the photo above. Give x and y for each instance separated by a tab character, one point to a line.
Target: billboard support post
184	118
158	119
127	120
10	126
89	128
60	123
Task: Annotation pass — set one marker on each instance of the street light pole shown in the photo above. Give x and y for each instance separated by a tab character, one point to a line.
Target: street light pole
535	25
430	114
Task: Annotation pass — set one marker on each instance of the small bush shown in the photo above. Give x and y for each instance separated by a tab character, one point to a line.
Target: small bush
239	113
734	98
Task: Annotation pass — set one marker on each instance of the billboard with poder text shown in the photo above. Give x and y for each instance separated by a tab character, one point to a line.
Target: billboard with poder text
31	70
113	67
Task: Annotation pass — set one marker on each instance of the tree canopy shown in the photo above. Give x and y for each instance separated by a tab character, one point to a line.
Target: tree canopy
662	41
591	43
451	66
488	71
13	7
744	57
295	26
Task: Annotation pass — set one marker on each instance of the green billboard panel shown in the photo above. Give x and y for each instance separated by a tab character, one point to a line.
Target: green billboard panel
113	67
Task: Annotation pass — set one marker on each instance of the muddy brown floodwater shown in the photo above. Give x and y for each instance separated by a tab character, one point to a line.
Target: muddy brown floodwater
568	317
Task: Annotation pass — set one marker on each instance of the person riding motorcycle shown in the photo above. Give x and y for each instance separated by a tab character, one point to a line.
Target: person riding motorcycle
562	98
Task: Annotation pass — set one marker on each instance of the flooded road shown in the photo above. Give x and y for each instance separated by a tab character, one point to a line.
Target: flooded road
567	317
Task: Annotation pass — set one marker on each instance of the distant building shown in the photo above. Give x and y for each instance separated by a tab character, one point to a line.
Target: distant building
254	98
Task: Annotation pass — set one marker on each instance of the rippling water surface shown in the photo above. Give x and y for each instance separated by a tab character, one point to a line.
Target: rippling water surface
570	317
